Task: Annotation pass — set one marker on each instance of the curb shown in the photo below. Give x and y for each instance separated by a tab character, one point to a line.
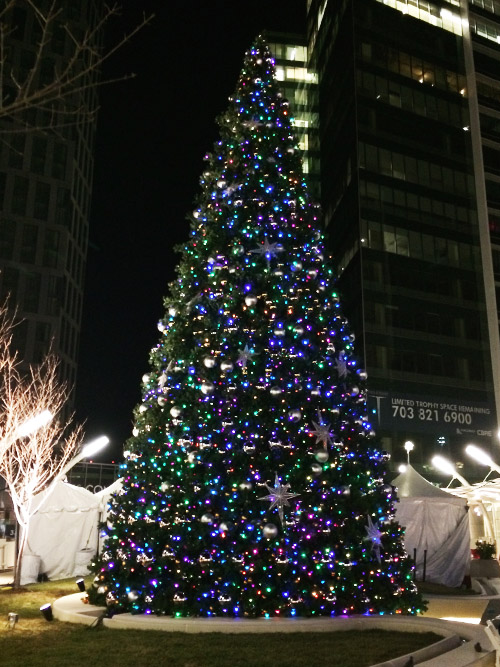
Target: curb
456	649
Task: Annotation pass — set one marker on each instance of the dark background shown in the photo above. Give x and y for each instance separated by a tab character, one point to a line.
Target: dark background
152	134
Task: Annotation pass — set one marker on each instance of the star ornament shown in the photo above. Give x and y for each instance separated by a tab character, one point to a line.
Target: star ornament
374	535
279	495
268	250
322	432
245	356
341	365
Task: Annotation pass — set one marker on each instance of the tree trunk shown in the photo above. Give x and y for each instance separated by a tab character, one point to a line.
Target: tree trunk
23	528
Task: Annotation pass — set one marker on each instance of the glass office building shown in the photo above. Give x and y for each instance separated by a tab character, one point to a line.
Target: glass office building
409	134
45	189
299	84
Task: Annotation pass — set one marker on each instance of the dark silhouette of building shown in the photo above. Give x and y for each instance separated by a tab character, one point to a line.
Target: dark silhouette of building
409	123
45	190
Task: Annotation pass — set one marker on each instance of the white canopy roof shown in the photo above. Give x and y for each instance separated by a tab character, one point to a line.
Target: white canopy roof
410	484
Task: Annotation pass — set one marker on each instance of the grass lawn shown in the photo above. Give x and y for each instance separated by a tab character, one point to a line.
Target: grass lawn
36	643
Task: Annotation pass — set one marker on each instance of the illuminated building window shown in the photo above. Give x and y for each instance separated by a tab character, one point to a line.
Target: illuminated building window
429	13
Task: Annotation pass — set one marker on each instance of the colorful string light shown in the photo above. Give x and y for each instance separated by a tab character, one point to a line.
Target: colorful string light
254	388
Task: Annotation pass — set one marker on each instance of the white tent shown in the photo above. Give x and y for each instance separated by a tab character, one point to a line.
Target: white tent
436	529
63	533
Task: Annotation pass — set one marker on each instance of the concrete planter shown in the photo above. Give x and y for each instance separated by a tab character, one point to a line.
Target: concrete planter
484	568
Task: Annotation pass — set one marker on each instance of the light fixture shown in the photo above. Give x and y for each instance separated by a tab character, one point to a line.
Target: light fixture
12	619
409	446
94	446
446	467
81	584
87	450
33	424
481	457
402	468
46	610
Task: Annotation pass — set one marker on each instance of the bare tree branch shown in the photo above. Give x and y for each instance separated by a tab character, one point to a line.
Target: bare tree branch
67	94
30	462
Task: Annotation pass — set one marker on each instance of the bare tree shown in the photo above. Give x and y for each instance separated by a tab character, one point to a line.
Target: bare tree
31	459
63	92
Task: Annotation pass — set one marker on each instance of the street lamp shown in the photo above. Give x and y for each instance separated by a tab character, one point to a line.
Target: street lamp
409	446
482	457
446	467
87	450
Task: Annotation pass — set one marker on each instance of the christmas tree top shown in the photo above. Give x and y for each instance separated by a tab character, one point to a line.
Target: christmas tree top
253	485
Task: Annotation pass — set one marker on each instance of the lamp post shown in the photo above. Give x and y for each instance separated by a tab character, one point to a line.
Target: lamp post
409	446
87	450
481	457
33	424
446	467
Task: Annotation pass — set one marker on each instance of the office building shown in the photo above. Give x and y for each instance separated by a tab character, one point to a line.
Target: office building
45	189
409	134
299	83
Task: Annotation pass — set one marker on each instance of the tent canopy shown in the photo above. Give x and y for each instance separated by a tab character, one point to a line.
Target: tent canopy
63	532
411	484
436	529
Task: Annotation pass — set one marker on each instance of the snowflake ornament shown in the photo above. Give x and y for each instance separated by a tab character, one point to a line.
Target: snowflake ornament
374	535
279	495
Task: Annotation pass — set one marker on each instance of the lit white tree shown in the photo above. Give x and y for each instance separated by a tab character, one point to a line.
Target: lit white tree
35	446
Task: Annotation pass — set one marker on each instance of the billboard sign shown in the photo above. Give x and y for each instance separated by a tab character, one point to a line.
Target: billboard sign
404	412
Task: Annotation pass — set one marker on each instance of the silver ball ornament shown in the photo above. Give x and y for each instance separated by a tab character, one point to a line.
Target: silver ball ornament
298	330
317	468
209	362
207	387
175	411
207	518
275	391
295	415
322	456
246	486
269	531
250	300
226	366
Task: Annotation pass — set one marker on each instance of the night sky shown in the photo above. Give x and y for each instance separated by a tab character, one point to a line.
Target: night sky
152	134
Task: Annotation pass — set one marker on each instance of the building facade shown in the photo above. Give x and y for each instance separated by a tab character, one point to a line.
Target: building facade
299	84
46	166
409	134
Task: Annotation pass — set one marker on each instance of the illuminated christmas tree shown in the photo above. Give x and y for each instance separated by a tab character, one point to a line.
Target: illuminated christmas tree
253	485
